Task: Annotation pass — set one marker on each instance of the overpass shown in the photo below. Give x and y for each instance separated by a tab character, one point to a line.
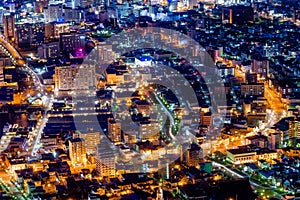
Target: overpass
10	51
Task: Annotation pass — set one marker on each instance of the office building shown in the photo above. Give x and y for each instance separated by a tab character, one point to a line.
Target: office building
29	35
224	70
129	137
240	156
6	94
23	37
73	14
49	50
104	4
296	15
105	53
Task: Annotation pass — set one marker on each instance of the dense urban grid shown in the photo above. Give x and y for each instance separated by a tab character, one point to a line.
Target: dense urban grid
91	109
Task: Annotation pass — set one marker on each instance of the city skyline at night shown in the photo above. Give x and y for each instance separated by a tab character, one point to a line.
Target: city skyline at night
150	99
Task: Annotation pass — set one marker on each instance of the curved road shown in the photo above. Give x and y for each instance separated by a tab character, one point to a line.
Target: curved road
16	57
169	115
18	60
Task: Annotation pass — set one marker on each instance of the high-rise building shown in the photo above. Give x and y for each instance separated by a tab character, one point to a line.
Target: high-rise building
9	25
114	130
54	13
275	139
23	36
29	35
106	158
77	151
226	2
58	13
37	34
91	140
